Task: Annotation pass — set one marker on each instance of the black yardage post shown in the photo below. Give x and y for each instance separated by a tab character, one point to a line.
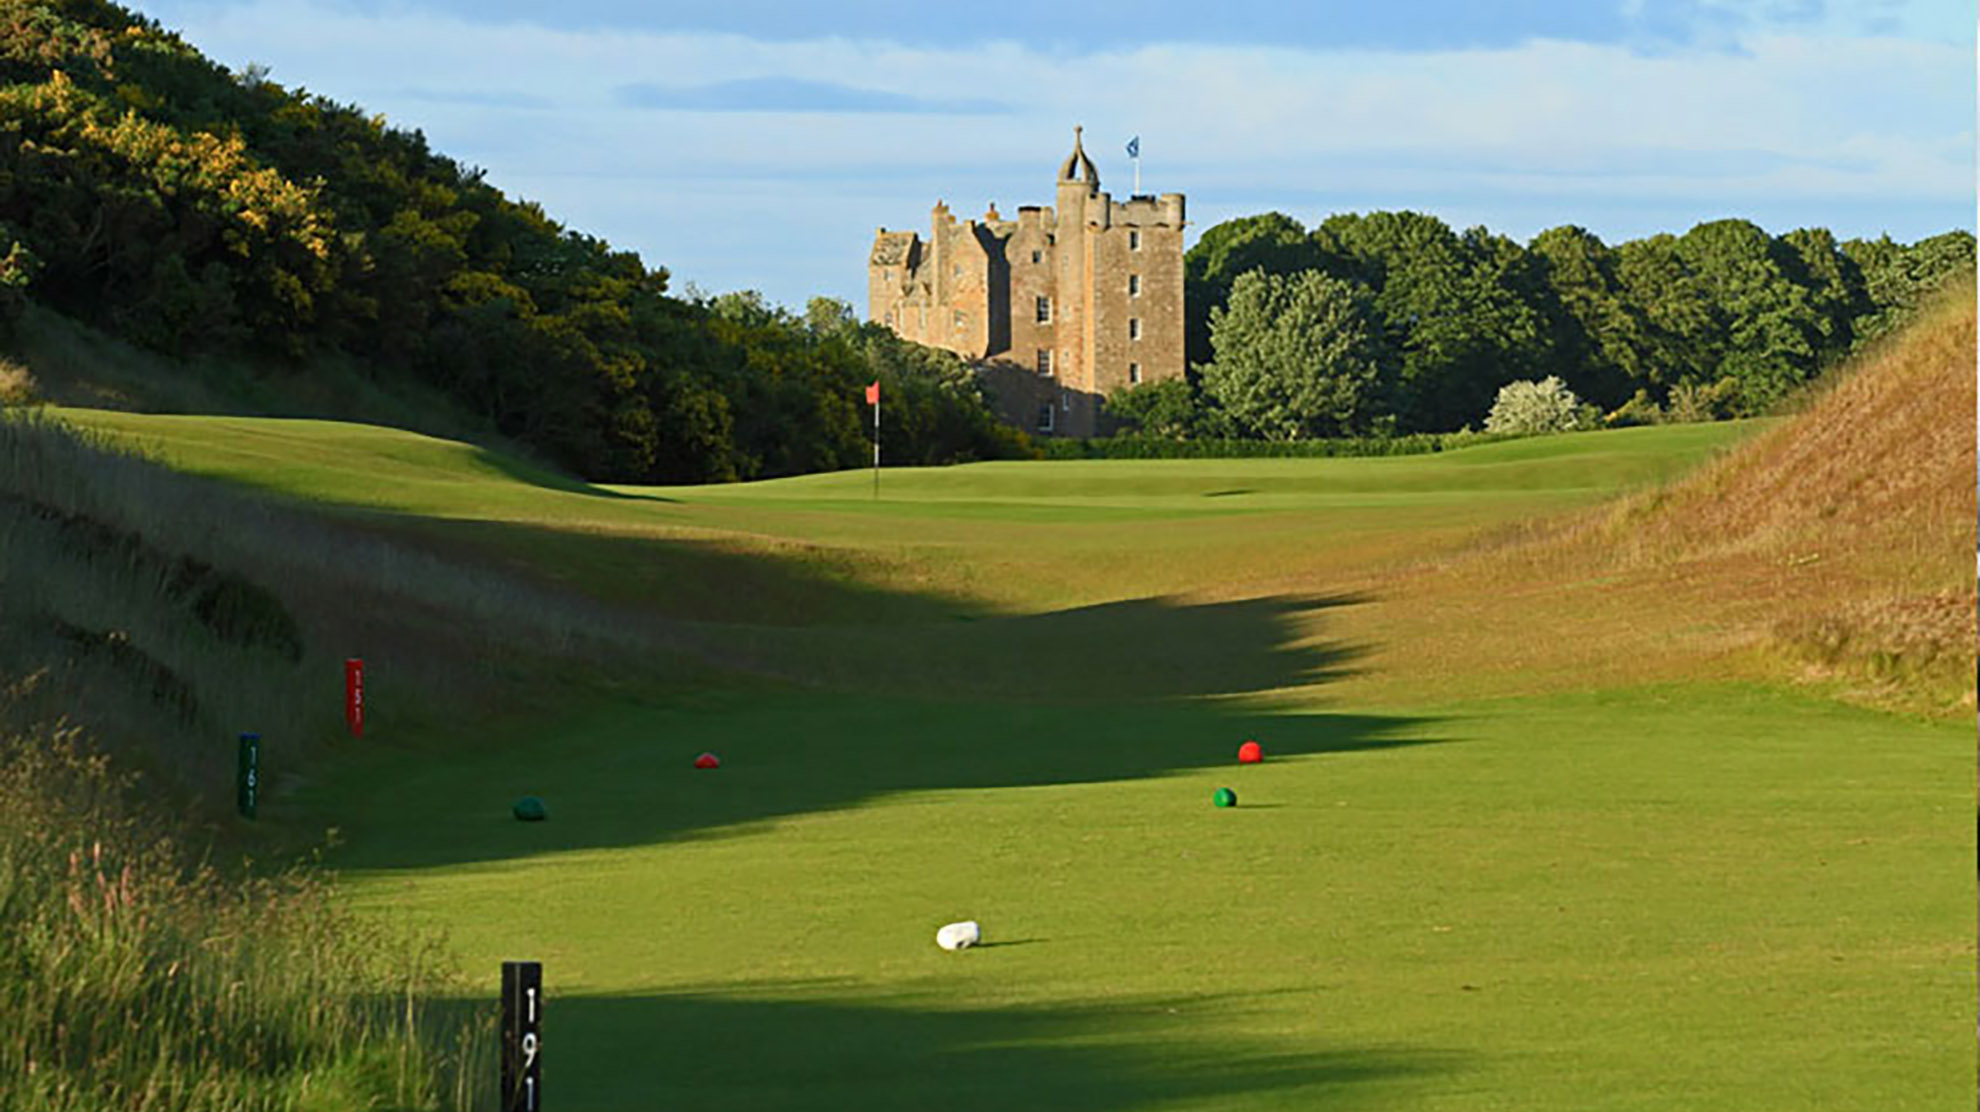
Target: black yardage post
522	1036
247	776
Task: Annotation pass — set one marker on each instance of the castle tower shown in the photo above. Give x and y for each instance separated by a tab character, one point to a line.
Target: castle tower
1079	184
1057	308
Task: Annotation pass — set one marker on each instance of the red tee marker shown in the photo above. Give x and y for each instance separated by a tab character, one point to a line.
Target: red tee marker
708	760
1250	753
354	695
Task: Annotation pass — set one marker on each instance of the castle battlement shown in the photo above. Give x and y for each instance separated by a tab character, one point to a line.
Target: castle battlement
1059	307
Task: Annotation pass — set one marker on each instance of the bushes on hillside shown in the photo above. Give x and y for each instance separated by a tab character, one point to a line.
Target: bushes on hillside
194	211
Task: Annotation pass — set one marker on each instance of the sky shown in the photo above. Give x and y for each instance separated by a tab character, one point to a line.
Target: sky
758	144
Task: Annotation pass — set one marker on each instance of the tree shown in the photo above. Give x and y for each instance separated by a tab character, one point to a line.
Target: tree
1600	343
1169	409
828	316
1768	329
1455	310
1272	242
1896	278
1296	356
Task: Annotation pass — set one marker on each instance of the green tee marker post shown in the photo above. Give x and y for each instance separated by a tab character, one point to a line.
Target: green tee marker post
247	777
522	1036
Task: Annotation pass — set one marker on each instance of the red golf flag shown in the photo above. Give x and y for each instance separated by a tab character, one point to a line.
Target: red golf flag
873	394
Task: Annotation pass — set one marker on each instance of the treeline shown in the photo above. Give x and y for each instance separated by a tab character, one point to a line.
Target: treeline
1393	323
204	213
195	211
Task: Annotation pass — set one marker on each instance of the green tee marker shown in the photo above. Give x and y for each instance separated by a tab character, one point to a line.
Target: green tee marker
1224	797
530	809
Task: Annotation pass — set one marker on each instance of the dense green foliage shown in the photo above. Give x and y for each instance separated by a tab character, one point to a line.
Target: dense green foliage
1724	320
192	210
1296	356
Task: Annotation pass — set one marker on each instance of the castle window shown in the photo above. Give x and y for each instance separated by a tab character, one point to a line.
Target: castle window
1134	285
1045	416
1044	310
1134	240
1134	373
1038	256
1134	328
1044	361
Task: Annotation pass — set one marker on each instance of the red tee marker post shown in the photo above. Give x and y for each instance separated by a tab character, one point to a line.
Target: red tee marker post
354	695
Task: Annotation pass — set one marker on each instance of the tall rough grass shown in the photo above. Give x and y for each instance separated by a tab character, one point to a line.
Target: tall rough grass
136	978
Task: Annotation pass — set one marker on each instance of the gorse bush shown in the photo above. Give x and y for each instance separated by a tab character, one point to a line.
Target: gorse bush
1529	408
140	980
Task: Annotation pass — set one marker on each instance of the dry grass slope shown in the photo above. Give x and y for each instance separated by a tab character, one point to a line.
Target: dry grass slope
1837	547
1869	496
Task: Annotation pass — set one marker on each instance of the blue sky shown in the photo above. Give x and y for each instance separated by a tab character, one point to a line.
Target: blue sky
756	144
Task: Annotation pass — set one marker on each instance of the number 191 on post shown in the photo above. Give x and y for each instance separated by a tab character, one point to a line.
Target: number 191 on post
522	1036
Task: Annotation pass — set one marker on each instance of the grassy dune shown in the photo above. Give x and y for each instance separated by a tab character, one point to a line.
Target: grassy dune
1563	809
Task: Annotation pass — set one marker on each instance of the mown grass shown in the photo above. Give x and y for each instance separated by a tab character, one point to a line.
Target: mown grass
1683	897
1039	536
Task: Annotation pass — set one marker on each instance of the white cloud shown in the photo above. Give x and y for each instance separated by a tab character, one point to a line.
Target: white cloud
1804	118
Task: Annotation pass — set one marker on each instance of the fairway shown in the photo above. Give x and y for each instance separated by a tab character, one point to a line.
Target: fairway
1006	692
1646	899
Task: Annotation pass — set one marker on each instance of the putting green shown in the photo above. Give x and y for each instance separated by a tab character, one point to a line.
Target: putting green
1006	691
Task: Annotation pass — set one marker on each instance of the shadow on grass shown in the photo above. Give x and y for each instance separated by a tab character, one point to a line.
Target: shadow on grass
1145	648
534	475
745	1053
829	716
623	776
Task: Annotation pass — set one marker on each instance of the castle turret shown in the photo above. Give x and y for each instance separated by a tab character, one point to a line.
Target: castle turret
1079	182
1078	167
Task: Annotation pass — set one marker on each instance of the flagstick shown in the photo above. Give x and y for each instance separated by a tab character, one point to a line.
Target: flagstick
876	446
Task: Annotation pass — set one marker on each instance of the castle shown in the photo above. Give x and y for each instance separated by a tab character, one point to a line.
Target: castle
1056	308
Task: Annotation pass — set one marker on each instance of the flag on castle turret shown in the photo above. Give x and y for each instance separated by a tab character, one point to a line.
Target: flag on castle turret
1134	147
